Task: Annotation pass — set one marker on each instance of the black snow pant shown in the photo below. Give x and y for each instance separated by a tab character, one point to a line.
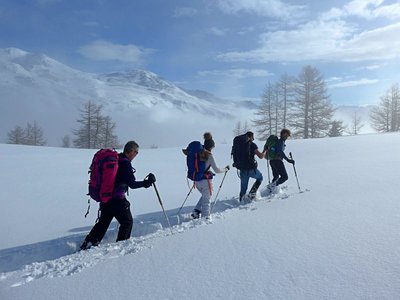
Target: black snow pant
118	208
278	171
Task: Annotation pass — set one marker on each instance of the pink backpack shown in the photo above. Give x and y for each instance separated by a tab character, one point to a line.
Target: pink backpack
103	171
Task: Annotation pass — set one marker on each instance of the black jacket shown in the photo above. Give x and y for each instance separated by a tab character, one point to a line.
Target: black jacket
125	177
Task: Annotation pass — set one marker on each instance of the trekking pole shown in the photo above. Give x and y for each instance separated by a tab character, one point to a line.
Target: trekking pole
162	206
216	196
185	199
295	173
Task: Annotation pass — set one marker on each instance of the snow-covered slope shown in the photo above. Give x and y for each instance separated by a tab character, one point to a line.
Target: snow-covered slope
36	87
339	240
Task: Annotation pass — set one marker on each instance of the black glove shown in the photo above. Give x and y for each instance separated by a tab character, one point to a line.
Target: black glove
227	168
290	161
150	179
146	183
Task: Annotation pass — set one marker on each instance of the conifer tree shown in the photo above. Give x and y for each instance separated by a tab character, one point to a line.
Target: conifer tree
96	130
386	116
311	115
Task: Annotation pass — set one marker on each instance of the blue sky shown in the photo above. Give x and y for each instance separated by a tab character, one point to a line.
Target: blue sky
231	48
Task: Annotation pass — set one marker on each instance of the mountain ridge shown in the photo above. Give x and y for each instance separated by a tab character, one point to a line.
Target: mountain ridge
37	87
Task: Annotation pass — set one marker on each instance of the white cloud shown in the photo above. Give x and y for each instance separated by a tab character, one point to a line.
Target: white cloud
389	11
362	8
353	83
313	40
373	67
236	73
103	50
332	40
367	9
380	43
217	31
268	8
184	12
246	30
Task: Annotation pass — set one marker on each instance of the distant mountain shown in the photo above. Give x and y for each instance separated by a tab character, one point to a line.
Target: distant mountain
205	95
250	104
37	87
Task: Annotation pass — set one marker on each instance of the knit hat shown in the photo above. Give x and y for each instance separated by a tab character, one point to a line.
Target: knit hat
208	141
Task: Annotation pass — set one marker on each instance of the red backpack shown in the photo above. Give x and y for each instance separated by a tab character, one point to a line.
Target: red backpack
103	171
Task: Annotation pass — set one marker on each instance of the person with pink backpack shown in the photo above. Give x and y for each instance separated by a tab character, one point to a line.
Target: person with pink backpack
113	203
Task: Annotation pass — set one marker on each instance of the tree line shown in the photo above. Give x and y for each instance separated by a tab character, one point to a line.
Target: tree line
302	104
95	131
385	117
31	134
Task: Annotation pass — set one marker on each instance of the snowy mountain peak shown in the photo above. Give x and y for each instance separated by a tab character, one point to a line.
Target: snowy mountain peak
140	77
15	62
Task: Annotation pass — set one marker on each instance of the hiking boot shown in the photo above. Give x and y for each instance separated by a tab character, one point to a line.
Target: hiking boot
88	244
271	187
245	199
255	187
84	245
195	214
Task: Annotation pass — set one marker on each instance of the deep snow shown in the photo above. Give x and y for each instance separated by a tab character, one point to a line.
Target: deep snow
339	240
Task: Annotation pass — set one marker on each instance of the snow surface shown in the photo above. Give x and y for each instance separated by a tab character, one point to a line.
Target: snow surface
337	240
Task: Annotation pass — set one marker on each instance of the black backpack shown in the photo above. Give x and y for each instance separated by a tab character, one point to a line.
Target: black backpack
242	158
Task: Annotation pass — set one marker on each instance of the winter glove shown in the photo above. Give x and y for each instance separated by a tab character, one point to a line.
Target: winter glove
290	161
151	178
227	168
147	183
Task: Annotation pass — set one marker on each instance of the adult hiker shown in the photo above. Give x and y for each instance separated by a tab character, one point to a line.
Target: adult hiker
118	206
276	154
204	182
244	151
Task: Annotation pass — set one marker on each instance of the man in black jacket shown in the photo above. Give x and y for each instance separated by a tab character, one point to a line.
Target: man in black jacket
119	206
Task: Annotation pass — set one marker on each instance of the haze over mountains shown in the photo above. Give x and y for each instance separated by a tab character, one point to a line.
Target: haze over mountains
144	106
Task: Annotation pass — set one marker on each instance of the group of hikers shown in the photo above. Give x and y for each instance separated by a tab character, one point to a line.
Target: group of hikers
200	161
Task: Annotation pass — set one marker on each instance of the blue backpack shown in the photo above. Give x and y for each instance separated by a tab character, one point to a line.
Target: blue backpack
196	166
